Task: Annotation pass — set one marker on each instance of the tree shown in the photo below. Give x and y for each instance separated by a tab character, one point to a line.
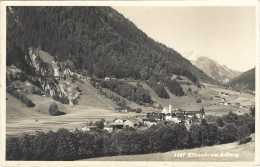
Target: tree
252	111
84	142
220	122
204	126
247	120
230	117
198	100
100	124
65	142
229	133
213	133
242	132
195	136
13	149
182	137
53	109
202	111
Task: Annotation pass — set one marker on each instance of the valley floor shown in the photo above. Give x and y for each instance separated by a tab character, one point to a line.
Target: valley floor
225	152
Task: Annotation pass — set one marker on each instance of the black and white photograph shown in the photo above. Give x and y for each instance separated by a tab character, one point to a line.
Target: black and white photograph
110	83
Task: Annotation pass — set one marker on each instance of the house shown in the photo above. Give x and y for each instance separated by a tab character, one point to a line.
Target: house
109	128
180	115
119	120
175	120
226	94
223	99
178	110
217	97
122	109
157	117
223	94
149	122
88	128
116	125
227	103
156	105
191	114
168	116
133	122
199	115
107	79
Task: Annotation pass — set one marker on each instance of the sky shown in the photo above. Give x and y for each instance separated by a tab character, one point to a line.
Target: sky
224	34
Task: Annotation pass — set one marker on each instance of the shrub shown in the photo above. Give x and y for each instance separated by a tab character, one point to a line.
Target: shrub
198	100
53	109
245	140
138	110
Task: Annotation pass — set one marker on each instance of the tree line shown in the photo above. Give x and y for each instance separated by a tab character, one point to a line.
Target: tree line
19	95
175	88
66	145
158	87
133	93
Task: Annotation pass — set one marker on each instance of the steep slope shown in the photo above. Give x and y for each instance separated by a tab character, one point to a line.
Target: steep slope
218	72
97	39
244	81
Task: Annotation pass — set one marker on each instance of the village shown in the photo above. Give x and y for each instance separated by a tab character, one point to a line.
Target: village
223	101
168	114
165	115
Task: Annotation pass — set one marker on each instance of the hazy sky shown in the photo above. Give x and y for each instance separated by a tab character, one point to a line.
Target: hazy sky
225	34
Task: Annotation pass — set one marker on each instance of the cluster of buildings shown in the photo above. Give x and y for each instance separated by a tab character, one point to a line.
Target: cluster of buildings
117	124
223	101
153	118
181	116
128	109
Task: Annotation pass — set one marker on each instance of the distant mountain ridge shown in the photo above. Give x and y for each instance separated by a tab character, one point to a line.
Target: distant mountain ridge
218	72
244	81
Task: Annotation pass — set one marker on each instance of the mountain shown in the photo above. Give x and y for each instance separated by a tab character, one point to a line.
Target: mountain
96	39
218	72
244	81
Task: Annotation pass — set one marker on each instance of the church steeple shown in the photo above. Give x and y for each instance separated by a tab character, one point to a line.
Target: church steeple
170	108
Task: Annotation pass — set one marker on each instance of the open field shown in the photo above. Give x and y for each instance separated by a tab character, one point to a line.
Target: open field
225	152
93	106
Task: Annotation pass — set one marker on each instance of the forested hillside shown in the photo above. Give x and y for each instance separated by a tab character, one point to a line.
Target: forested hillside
96	39
244	81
